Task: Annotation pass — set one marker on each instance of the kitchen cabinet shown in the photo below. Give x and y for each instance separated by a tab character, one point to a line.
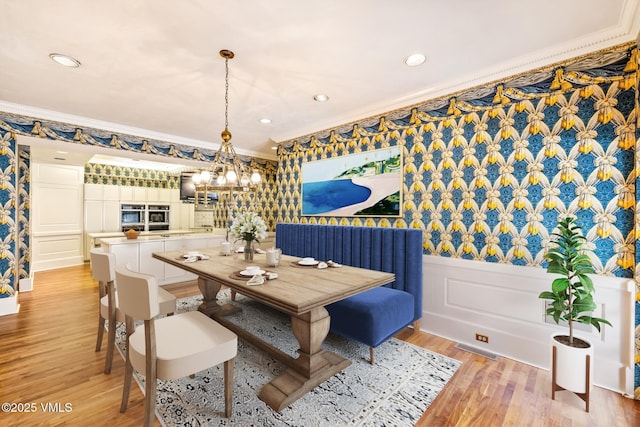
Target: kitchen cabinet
174	274
148	264
138	253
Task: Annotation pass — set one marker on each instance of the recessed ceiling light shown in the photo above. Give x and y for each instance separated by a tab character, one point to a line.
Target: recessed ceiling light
65	60
415	59
265	120
61	152
321	97
275	147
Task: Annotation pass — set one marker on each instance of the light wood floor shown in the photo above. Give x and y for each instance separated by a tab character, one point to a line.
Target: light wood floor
47	358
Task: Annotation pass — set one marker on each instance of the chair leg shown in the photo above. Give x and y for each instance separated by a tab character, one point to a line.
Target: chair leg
371	355
100	332
111	342
228	387
149	401
150	372
128	369
233	295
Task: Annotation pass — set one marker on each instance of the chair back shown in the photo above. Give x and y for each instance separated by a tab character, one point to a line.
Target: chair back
137	294
102	265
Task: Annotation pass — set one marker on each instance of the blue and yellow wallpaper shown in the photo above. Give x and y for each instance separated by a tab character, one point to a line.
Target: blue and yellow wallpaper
487	171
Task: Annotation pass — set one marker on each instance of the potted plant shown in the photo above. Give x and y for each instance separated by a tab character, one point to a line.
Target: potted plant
571	300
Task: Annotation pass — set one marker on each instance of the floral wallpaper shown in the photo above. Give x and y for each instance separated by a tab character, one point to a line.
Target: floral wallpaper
487	172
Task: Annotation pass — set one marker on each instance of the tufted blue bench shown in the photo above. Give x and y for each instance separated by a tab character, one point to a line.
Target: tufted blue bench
373	316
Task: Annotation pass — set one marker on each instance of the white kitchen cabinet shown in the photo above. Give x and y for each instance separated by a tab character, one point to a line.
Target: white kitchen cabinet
152	195
139	194
111	192
93	192
148	264
164	195
138	254
126	194
186	216
174	274
93	216
125	255
175	216
111	216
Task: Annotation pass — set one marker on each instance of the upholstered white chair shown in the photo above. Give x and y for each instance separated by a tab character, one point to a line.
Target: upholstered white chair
170	347
102	270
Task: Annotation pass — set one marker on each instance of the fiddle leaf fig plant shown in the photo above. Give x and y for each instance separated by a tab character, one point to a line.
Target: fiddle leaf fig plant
571	295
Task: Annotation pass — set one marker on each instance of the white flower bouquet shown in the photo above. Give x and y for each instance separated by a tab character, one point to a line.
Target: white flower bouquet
248	226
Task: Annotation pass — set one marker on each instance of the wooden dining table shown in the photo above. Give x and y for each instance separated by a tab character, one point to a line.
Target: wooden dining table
299	290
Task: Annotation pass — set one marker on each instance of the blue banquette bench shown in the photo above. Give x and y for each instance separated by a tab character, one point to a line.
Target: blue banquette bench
373	316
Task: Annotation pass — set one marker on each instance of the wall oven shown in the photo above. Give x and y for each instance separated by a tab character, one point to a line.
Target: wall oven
132	216
158	217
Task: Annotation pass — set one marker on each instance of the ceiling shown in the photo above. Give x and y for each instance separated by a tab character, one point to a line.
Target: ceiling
153	70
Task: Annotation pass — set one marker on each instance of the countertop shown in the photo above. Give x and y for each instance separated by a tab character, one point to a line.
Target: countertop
168	235
157	237
215	231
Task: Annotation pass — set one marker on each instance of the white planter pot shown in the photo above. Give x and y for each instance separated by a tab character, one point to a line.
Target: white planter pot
571	365
9	305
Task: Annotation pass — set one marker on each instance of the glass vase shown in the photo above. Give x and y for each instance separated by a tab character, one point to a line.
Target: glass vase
248	250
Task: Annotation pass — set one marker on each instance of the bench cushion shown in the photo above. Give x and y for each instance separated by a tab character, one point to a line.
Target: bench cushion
372	316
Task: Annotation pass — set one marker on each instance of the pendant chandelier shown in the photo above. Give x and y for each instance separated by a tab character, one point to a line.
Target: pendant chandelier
228	172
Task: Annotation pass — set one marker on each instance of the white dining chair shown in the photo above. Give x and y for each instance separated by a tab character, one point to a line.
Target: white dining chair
103	270
170	347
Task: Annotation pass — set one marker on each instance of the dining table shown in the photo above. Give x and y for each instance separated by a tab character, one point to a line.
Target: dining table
301	289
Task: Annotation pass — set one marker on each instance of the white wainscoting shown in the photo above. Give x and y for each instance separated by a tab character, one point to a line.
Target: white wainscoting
462	298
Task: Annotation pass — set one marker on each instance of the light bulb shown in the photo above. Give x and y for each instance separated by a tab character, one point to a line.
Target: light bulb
205	176
231	175
244	180
197	179
255	177
221	180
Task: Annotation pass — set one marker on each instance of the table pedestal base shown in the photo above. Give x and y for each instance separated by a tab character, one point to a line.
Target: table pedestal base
285	389
209	289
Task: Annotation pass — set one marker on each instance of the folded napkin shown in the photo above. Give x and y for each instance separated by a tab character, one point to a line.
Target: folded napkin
270	275
196	258
259	251
322	264
333	264
256	280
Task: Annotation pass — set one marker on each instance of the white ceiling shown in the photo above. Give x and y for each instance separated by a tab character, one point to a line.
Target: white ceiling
152	68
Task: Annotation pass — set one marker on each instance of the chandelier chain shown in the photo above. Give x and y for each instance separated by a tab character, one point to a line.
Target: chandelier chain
226	93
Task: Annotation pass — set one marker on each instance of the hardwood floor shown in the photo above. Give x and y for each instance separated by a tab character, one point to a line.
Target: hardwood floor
51	373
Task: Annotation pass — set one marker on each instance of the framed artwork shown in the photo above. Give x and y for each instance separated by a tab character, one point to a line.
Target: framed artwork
362	184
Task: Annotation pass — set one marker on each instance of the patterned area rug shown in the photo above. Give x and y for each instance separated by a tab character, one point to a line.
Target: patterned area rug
394	392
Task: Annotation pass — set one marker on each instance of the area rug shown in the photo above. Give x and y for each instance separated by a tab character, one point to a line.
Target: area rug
394	392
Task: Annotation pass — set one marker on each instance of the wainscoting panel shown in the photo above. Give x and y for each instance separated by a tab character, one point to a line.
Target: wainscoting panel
57	250
463	298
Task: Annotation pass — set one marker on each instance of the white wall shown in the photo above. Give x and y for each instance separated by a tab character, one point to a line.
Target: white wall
462	298
57	216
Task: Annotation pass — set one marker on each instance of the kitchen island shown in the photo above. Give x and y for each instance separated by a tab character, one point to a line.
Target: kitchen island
137	253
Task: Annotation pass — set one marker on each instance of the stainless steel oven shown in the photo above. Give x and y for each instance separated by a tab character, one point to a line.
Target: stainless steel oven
158	217
132	216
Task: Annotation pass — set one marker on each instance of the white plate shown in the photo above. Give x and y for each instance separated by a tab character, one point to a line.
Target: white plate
314	262
189	256
247	273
